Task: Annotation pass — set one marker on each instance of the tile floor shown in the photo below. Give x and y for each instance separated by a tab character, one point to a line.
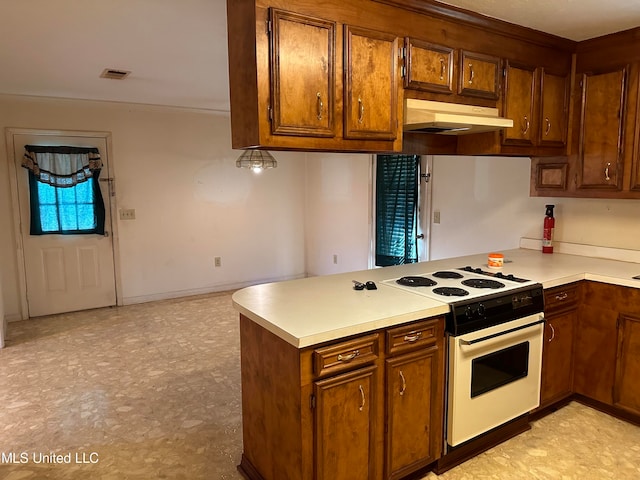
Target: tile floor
152	391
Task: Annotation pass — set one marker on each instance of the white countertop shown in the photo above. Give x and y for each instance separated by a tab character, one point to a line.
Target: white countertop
314	310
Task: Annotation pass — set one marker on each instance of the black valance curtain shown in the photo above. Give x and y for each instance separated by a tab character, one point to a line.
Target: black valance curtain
61	166
396	209
64	190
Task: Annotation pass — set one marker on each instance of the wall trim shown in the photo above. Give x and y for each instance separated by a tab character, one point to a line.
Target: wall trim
610	253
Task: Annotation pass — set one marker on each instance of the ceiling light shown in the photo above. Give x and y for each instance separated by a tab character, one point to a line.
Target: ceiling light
256	160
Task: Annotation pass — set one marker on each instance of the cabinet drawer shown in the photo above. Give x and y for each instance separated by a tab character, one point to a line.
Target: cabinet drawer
562	298
413	336
345	356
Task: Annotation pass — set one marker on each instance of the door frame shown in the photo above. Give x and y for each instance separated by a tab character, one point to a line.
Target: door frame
10	134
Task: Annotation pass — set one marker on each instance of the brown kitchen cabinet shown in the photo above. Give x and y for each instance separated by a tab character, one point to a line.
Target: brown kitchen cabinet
561	314
344	426
414	397
371	84
428	67
479	75
602	121
626	393
334	411
554	109
537	102
302	92
519	98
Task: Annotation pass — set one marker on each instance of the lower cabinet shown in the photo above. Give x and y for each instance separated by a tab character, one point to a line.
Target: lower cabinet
368	407
414	419
344	433
561	312
626	393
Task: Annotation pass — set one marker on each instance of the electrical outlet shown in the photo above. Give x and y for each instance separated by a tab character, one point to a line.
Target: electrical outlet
335	259
436	216
217	261
127	214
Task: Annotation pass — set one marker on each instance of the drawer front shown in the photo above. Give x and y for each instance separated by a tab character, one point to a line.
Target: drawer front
345	356
562	298
414	336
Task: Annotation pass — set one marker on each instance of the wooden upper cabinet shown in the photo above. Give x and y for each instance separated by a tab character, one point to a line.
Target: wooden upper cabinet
600	153
479	75
302	62
428	67
371	84
554	106
520	88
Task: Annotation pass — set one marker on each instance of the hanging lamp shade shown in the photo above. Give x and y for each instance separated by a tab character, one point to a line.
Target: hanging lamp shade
256	160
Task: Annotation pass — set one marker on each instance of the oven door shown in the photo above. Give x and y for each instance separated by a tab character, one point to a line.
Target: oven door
494	377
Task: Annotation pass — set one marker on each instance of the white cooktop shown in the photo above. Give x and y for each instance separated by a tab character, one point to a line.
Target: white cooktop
480	286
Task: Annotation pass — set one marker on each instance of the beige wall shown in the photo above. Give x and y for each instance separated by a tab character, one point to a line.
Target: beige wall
485	205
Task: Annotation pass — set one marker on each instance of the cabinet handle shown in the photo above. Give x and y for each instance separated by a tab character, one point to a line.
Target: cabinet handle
546	132
562	296
553	332
404	383
362	397
320	105
606	172
360	111
348	357
412	337
526	125
471	73
443	68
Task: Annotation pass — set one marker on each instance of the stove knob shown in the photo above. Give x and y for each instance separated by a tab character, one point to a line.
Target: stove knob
510	277
481	310
469	312
499	275
477	270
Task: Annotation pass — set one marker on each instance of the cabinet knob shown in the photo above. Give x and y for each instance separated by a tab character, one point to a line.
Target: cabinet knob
412	337
606	172
553	332
546	132
562	296
362	397
404	383
471	73
360	111
443	68
526	125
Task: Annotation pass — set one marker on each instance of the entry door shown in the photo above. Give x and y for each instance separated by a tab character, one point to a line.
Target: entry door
65	273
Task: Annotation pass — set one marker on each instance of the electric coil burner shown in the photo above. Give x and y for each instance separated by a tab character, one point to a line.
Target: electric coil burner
482	283
451	291
416	282
447	274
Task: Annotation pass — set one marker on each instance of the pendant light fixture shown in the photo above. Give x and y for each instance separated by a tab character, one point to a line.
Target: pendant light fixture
256	160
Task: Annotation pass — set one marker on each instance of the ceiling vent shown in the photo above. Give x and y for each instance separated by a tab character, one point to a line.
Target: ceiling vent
114	74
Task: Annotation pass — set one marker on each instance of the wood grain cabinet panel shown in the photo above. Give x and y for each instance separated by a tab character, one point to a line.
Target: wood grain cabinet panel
371	84
557	356
553	121
627	386
601	130
413	411
520	88
302	62
428	67
344	426
479	75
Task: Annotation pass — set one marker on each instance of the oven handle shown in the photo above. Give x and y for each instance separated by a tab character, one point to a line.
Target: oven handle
499	334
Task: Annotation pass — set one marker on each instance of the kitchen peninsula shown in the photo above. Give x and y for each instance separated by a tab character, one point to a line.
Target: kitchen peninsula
305	344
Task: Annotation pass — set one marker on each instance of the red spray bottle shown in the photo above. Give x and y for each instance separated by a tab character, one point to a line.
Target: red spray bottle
547	236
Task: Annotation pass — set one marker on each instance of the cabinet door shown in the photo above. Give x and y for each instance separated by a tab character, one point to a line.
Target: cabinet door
479	75
518	104
344	426
371	85
627	386
553	112
557	358
413	416
428	67
302	75
601	130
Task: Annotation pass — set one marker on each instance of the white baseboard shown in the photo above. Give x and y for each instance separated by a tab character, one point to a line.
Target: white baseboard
154	297
610	253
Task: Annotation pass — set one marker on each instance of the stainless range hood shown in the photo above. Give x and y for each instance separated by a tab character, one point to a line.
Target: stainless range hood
451	118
